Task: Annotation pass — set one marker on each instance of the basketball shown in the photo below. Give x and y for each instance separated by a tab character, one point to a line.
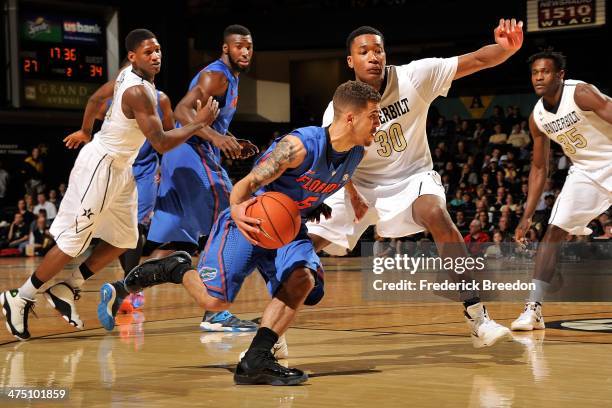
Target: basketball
280	219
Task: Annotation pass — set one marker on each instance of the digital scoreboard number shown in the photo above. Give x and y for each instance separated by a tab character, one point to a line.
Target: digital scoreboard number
63	58
544	15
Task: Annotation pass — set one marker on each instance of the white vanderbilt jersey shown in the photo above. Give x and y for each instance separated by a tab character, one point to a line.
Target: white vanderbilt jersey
585	137
121	136
400	147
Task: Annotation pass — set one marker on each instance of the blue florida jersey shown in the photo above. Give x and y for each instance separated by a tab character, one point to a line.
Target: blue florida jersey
227	102
321	174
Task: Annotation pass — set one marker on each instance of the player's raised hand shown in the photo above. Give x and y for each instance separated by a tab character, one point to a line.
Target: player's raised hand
509	34
208	113
248	149
245	224
74	140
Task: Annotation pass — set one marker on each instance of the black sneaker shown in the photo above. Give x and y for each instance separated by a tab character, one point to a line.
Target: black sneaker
155	271
266	370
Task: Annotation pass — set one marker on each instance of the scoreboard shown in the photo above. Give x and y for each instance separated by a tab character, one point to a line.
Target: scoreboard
62	55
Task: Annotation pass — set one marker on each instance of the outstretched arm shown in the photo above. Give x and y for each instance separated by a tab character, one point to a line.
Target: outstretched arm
508	40
589	99
537	177
288	153
137	104
94	105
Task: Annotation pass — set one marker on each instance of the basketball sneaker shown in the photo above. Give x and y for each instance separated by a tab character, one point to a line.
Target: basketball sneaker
16	310
226	322
485	331
262	368
109	305
530	319
279	350
62	297
156	271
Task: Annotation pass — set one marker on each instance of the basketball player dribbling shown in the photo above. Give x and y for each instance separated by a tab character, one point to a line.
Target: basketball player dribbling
101	197
577	116
395	186
293	272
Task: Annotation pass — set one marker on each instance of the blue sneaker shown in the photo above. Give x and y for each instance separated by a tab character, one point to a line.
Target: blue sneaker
226	322
108	306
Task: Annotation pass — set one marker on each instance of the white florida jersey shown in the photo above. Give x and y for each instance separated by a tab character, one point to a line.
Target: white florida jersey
400	147
119	136
585	137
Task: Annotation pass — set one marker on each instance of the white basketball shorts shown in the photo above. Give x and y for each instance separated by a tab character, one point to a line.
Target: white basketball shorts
390	210
583	197
100	202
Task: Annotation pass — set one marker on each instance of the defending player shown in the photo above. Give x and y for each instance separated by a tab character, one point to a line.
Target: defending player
578	117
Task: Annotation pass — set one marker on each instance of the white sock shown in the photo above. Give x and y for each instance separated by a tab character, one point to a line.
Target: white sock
76	279
541	288
27	290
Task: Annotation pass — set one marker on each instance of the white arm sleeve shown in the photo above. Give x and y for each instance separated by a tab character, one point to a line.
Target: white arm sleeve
328	116
432	77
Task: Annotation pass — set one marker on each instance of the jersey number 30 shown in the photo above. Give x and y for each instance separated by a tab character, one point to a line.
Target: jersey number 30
390	140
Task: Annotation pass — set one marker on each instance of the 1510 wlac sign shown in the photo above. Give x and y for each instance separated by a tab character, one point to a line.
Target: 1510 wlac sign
543	15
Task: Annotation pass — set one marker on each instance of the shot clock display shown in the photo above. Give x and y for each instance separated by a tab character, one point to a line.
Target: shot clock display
62	59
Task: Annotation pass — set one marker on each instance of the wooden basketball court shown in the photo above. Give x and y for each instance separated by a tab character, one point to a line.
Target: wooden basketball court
357	353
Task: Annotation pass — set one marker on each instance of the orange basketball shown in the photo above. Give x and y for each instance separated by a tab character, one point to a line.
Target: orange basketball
280	219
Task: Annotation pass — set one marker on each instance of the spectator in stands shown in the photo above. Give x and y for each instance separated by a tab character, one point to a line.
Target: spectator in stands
62	188
500	179
461	223
486	183
46	205
523	194
510	204
498	137
464	132
518	138
504	228
54	198
18	232
500	198
40	237
28	216
496	250
457	202
483	217
440	131
4	181
439	159
498	116
468	205
460	154
33	170
468	176
29	200
476	238
479	134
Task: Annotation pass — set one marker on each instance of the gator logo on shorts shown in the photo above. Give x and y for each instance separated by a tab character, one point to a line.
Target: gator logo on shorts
208	274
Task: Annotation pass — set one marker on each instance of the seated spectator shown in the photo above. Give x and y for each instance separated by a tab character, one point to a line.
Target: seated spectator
500	179
496	250
439	159
61	189
497	117
468	206
457	202
483	217
500	198
40	237
33	170
476	238
464	132
498	136
460	153
509	203
518	138
468	176
18	233
29	200
478	134
440	131
46	205
487	184
54	199
504	227
28	216
461	223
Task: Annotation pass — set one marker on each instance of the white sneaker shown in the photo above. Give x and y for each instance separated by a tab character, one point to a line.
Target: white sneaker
16	310
62	296
485	331
530	319
279	349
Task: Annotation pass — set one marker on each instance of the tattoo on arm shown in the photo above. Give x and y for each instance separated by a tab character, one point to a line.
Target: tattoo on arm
272	167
